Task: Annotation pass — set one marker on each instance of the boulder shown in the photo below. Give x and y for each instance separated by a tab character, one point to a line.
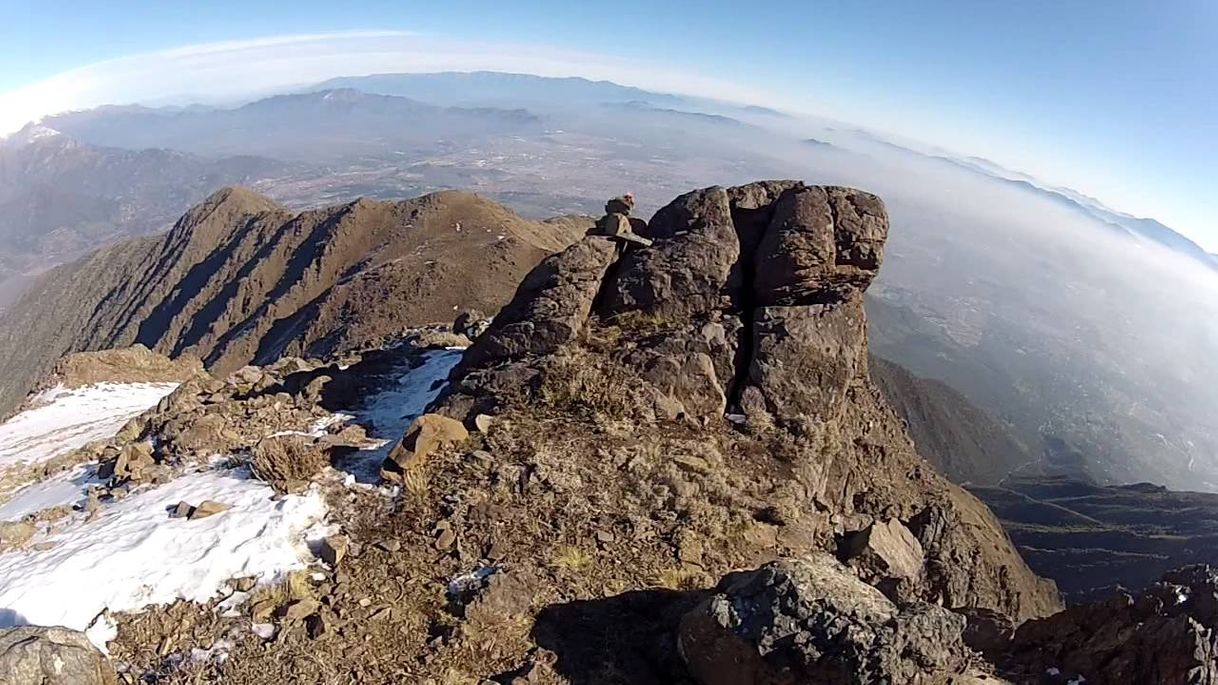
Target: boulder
132	462
471	323
550	306
32	655
207	508
425	434
14	534
623	204
812	621
806	359
135	364
822	242
886	550
334	549
679	279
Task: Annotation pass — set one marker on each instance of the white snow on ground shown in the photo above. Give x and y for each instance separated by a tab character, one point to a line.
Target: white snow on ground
72	418
67	488
391	410
133	554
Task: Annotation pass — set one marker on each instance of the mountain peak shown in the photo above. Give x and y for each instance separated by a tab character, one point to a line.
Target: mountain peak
31	133
238	198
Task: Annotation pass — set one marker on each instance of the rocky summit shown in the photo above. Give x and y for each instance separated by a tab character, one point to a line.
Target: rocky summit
663	461
749	306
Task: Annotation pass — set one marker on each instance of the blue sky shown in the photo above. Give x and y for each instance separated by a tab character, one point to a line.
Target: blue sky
1117	99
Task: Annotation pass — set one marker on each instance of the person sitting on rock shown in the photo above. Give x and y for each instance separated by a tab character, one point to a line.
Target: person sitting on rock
617	222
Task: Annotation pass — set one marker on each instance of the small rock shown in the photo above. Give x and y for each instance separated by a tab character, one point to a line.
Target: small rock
689	550
15	533
207	508
262	610
483	422
299	609
334	548
496	551
316	626
389	545
445	539
691	463
51	656
266	631
604	536
181	511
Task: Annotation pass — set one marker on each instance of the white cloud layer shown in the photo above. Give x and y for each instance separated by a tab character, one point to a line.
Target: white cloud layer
232	70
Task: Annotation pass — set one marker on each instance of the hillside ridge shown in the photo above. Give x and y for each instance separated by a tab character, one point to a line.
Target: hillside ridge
240	278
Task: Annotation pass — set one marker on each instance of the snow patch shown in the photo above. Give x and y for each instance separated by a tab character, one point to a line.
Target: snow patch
388	413
63	489
69	419
133	555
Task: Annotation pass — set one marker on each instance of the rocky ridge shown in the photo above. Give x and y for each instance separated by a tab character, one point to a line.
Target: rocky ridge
241	279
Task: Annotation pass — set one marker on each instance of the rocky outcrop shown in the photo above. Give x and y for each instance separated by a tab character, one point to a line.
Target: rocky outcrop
240	279
1168	634
812	621
51	656
135	364
749	305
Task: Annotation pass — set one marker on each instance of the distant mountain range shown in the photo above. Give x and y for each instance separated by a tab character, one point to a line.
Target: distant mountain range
1141	228
1084	205
60	197
540	93
335	123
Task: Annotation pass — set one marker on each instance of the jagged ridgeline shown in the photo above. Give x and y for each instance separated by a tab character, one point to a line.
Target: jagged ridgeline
241	279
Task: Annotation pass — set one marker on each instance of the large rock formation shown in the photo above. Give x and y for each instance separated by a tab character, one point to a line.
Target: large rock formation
135	364
749	303
241	279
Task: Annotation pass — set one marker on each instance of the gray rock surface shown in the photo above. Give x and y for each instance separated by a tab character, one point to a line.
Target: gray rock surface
812	621
32	655
550	306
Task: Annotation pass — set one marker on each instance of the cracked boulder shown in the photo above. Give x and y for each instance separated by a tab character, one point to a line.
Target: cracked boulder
886	551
